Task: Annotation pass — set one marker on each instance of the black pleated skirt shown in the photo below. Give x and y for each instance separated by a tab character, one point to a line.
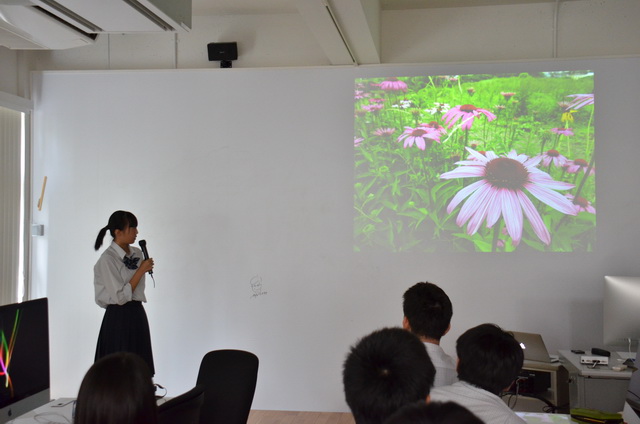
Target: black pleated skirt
125	328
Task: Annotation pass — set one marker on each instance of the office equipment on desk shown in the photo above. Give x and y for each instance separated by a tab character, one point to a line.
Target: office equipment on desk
533	347
596	387
545	388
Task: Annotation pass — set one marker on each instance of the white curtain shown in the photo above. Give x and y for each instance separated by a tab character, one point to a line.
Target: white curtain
10	198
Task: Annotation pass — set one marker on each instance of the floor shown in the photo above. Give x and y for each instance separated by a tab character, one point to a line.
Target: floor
291	417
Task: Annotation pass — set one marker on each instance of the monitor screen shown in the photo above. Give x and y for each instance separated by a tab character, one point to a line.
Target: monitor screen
24	357
621	314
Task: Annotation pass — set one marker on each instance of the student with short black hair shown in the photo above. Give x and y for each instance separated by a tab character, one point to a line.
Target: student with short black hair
384	371
433	413
117	389
489	360
427	313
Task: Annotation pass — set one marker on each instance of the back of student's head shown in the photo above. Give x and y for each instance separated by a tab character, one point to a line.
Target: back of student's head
428	310
489	357
383	371
433	413
117	389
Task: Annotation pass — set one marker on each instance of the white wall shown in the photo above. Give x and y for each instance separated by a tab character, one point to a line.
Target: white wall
585	29
249	173
8	71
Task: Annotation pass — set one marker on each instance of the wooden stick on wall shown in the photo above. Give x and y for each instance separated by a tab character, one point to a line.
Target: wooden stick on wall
44	185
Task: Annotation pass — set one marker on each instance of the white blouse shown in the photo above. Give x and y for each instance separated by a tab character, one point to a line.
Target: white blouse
111	277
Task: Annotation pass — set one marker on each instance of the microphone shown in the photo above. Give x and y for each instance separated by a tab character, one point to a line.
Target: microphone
145	253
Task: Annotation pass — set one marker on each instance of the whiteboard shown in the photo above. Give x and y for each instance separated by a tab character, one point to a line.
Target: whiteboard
242	182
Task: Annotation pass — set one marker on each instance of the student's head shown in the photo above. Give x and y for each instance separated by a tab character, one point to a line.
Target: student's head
427	311
433	413
489	357
117	389
383	371
119	220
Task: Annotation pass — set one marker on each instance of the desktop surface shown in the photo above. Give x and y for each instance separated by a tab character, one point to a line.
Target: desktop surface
599	371
61	411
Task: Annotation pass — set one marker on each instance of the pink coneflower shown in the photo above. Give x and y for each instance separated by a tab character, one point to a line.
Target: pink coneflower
376	100
436	129
581	204
357	141
382	132
553	156
393	84
466	113
471	91
562	131
472	157
501	192
421	136
507	95
577	165
580	101
375	107
359	94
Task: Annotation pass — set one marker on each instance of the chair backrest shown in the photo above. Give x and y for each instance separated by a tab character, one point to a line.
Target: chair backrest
183	409
229	378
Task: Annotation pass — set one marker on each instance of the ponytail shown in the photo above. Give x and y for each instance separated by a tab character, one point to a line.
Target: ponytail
119	220
100	237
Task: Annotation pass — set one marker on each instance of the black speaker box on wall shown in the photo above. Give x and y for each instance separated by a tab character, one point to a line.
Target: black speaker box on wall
222	51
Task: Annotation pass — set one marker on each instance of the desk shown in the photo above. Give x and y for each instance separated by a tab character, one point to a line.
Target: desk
51	414
596	388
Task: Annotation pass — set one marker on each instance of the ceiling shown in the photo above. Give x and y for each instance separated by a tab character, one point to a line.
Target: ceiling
348	31
228	7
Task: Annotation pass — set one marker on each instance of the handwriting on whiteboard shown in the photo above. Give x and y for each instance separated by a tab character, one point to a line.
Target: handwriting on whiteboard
256	286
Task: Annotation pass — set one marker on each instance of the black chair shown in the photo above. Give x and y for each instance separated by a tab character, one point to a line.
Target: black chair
229	379
183	409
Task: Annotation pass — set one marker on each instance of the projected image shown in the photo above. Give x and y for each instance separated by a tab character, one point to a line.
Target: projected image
489	163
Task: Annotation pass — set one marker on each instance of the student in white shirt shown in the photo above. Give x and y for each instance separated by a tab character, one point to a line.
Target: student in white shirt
119	282
384	371
489	360
427	313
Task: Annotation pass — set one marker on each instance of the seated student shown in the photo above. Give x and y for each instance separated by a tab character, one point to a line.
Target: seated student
489	360
427	313
384	371
117	389
433	413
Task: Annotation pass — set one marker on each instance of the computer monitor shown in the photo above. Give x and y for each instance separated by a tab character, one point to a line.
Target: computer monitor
621	313
24	357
